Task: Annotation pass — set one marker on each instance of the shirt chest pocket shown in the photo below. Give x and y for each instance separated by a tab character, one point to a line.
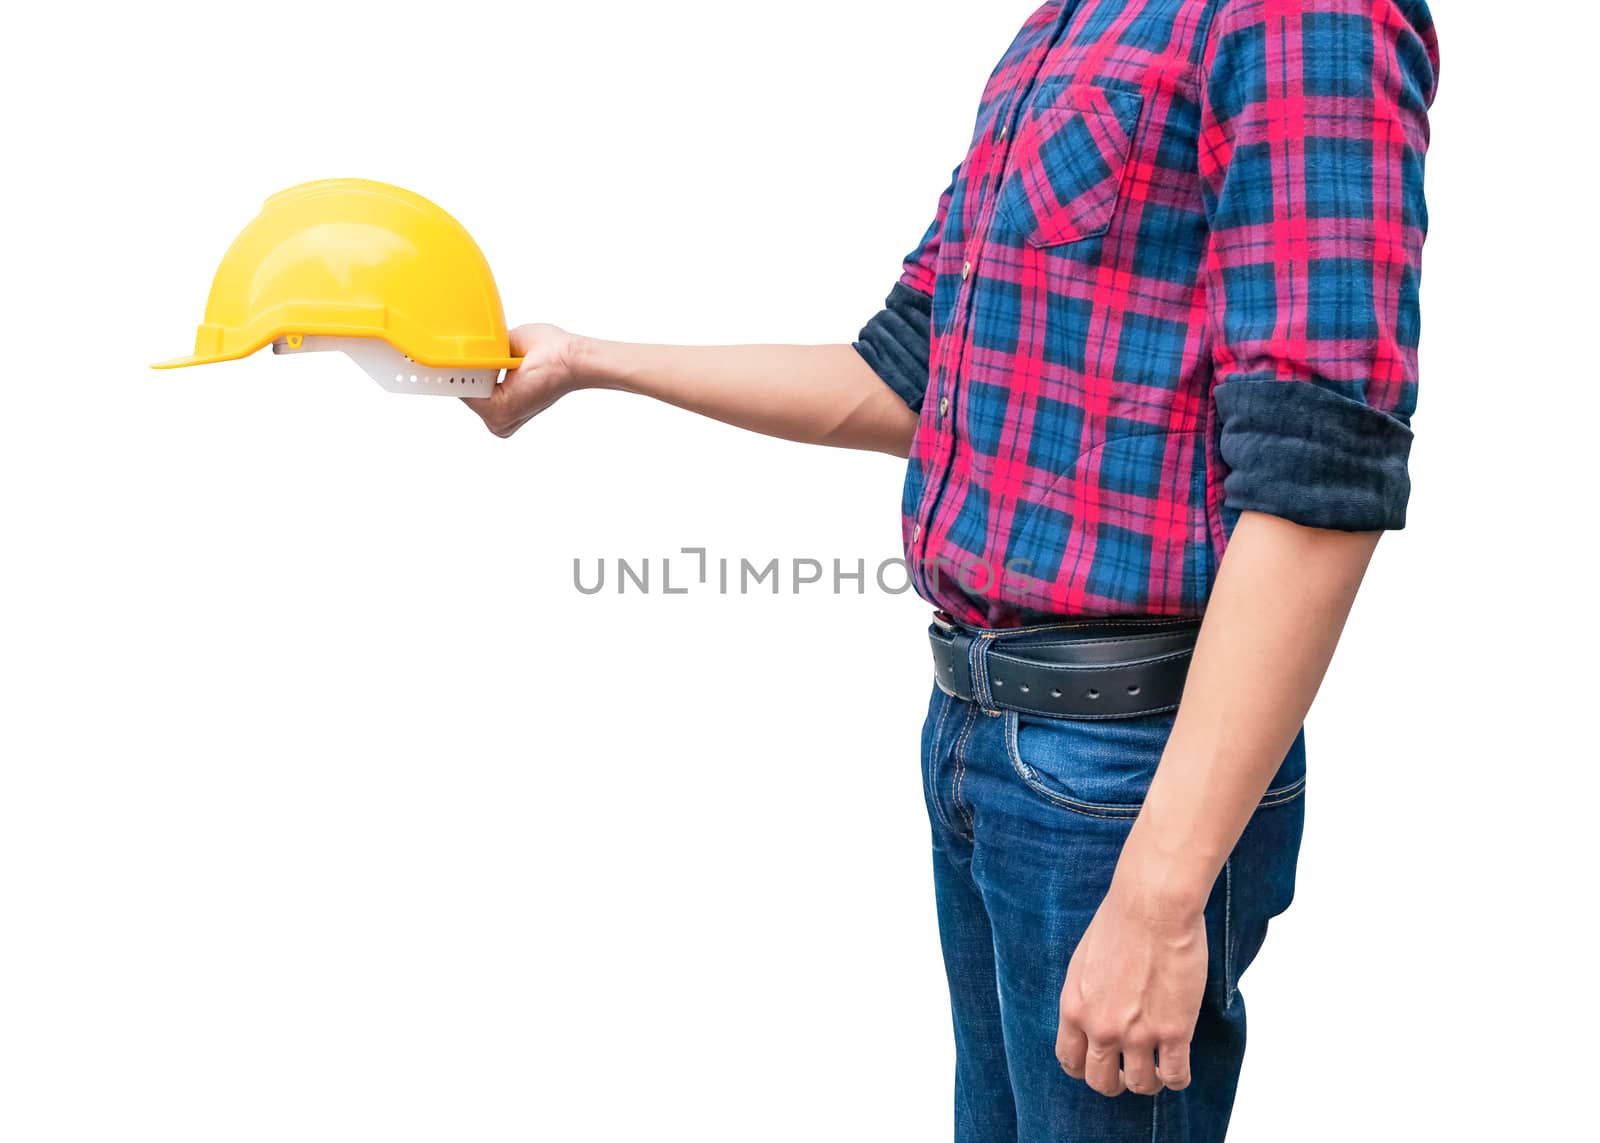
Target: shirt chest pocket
1065	169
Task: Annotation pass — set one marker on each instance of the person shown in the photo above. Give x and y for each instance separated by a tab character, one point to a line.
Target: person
1154	364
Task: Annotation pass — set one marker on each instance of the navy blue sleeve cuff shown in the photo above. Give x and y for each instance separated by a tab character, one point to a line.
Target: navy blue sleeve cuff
895	343
1312	456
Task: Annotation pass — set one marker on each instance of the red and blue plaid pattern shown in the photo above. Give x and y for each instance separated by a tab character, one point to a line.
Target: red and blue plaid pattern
1174	278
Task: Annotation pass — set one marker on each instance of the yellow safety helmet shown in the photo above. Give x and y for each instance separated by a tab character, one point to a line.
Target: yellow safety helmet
360	266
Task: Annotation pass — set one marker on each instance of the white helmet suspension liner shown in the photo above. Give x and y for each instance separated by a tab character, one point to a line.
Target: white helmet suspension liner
394	370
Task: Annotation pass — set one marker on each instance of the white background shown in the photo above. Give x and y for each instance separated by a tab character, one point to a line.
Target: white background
329	810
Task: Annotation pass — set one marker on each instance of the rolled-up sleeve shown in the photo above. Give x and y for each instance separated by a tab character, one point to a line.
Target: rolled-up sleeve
1313	132
896	341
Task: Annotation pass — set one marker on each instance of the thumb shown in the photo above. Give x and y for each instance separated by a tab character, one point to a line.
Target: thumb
523	339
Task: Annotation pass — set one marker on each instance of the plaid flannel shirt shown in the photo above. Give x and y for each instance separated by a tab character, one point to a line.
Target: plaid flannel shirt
1174	278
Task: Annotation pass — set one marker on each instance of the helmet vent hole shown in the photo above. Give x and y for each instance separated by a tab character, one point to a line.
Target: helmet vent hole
397	371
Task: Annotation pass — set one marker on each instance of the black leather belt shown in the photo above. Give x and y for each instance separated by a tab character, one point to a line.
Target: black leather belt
1106	668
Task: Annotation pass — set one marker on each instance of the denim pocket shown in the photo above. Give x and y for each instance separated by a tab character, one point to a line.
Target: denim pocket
1101	767
1104	767
1066	167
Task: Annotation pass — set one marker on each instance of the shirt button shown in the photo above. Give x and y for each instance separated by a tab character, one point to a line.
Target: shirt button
944	406
966	270
916	533
1004	127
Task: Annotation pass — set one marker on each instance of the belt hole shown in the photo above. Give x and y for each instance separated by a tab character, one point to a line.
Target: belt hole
1094	694
999	682
1055	693
1025	688
1133	689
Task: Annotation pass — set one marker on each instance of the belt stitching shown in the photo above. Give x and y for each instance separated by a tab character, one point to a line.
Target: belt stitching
1010	659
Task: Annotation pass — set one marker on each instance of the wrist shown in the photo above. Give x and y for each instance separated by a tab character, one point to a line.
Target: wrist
580	355
1161	882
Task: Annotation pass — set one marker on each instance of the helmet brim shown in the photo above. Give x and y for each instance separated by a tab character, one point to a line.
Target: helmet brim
510	364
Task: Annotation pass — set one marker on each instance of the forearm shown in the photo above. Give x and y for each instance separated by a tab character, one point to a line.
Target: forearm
1280	601
815	394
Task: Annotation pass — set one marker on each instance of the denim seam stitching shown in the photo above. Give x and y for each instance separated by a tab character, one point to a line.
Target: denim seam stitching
961	770
930	781
1108	812
1283	794
1227	935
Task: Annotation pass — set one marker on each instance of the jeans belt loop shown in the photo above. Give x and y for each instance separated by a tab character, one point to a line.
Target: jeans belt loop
978	667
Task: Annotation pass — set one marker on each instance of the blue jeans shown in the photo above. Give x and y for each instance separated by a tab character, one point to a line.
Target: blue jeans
1029	816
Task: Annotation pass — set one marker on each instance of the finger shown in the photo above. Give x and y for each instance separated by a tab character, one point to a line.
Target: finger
1071	1048
1173	1065
1102	1068
1139	1069
492	399
521	341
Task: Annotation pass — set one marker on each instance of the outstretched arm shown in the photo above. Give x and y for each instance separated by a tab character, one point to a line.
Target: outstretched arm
815	394
865	395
